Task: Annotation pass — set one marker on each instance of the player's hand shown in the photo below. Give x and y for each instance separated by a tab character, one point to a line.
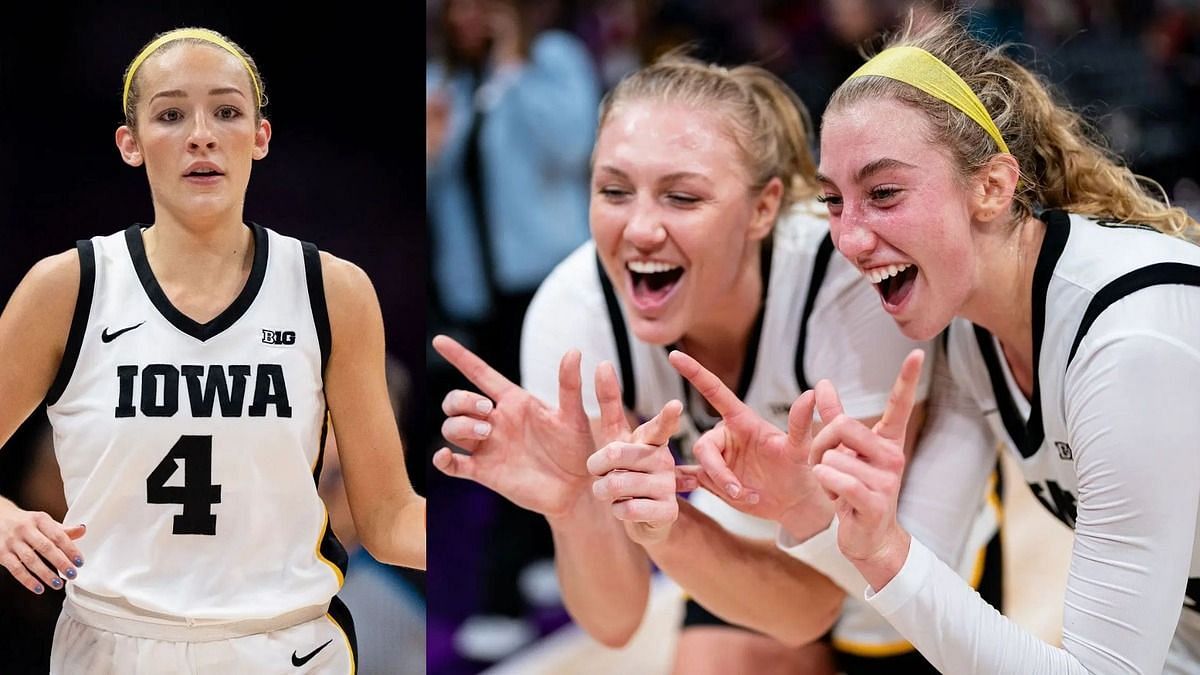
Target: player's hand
635	470
529	453
864	471
750	463
31	539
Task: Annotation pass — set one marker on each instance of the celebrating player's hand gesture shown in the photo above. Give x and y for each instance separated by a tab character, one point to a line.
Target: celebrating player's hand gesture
528	452
749	462
864	475
635	469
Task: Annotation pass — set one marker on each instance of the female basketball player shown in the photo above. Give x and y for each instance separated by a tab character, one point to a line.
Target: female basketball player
189	367
1074	324
705	236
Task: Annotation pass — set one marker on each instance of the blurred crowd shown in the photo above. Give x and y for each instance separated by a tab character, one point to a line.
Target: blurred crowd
512	88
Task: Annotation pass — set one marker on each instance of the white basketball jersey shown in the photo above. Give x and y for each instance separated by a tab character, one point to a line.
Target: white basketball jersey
819	319
1084	268
189	450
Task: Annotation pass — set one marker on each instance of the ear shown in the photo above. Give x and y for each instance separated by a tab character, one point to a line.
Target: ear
766	209
127	144
995	184
262	139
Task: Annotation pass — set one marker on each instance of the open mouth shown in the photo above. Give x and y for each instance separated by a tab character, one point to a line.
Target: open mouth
203	173
652	281
894	282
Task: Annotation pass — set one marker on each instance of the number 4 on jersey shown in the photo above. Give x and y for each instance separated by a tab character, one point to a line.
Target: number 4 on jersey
197	495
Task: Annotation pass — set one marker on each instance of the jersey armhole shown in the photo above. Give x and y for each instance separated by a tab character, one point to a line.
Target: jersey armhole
316	300
79	320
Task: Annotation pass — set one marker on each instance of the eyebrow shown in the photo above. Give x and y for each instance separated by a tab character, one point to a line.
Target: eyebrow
179	93
869	169
608	168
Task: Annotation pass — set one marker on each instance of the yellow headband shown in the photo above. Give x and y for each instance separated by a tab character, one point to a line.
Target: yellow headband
919	68
184	34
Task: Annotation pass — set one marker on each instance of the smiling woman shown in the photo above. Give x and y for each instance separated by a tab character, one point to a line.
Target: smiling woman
191	368
705	237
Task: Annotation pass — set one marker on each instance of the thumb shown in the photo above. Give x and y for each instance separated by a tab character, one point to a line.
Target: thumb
799	435
661	427
829	406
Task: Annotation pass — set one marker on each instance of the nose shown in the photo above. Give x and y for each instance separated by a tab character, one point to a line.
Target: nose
201	134
853	237
645	229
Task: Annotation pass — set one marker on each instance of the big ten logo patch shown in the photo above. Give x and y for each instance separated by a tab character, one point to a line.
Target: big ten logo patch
278	337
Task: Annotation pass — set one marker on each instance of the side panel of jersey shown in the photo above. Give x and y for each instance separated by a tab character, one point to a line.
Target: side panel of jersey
1087	263
191	458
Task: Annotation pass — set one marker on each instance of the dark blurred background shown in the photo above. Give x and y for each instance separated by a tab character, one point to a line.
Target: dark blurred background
1131	67
335	175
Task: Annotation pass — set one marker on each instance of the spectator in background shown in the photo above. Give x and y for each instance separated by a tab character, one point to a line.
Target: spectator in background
510	114
510	118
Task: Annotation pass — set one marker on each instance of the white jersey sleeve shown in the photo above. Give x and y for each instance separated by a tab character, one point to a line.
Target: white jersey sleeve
567	312
1139	487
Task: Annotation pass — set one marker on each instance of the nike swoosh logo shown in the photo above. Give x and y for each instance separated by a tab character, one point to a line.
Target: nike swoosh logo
106	336
301	660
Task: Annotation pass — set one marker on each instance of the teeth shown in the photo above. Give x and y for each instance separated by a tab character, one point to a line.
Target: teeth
649	267
880	273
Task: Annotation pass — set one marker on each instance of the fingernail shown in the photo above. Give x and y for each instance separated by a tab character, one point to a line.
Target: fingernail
39	589
752	498
79	561
484	406
733	490
482	429
57	583
70	573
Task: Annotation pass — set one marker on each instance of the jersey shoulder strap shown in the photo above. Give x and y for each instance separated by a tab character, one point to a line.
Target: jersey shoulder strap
620	338
820	267
1157	274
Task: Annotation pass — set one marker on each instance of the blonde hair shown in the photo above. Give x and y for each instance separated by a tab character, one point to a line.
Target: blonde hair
1063	161
769	123
195	36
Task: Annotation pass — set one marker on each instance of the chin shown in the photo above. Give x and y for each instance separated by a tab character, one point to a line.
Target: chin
660	332
922	328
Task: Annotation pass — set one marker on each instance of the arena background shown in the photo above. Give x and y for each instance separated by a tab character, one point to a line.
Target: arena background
334	176
1133	68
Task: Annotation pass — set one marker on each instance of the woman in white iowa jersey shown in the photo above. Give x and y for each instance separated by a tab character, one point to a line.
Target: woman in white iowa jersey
1075	328
190	367
693	167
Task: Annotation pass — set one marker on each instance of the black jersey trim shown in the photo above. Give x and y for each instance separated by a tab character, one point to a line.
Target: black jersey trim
1028	437
624	356
1158	274
200	331
316	299
820	267
340	613
1009	413
330	547
79	320
750	357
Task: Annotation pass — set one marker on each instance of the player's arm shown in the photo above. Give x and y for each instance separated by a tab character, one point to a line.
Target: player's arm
747	582
604	577
388	514
33	337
